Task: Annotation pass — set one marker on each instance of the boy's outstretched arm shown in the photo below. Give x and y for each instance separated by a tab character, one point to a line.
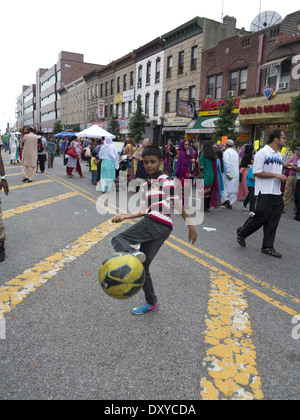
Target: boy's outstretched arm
121	217
192	232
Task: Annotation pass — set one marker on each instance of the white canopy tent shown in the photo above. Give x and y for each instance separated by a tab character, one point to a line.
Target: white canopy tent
95	132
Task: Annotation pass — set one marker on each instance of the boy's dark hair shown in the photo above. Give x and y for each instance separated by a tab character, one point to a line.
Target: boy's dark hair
275	134
152	151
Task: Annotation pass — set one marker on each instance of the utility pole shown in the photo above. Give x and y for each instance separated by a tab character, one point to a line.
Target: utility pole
222	17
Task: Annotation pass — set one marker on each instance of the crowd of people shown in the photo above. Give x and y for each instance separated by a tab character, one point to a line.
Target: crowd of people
227	172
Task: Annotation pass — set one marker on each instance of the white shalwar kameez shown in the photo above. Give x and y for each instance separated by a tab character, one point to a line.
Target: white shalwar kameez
231	167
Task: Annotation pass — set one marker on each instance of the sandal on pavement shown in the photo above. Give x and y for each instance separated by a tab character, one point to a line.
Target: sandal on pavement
272	252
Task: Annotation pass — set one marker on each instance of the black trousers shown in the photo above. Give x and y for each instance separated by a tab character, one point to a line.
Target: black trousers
268	213
41	161
250	198
151	235
297	199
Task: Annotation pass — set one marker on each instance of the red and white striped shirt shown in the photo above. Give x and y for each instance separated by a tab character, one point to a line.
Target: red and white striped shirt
156	195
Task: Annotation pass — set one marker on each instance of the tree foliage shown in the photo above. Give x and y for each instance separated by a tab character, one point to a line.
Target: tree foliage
225	124
137	124
114	126
57	128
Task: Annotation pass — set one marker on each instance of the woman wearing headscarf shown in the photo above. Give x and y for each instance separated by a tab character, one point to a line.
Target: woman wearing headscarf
246	162
208	165
14	149
169	156
110	163
74	162
184	168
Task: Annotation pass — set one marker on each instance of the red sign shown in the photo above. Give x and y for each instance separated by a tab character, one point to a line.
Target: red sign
267	109
209	105
287	39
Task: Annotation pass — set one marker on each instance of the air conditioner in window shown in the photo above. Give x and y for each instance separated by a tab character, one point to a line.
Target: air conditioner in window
283	85
231	94
139	85
208	96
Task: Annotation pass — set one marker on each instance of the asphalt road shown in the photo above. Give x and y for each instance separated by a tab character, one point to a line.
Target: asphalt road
225	328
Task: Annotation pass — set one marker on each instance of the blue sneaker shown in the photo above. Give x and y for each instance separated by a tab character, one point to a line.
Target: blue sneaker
143	309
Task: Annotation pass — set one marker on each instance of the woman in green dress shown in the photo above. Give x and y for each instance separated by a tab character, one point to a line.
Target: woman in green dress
207	163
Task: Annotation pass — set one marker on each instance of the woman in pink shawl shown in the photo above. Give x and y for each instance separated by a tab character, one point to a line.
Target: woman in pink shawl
184	168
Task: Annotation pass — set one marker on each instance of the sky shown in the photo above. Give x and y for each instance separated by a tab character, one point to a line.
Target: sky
34	33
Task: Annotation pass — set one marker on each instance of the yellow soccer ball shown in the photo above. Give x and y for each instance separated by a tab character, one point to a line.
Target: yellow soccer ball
121	276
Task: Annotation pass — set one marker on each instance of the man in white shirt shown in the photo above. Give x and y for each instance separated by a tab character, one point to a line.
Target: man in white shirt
267	169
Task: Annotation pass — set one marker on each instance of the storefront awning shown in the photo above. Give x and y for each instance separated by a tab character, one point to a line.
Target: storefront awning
203	125
274	63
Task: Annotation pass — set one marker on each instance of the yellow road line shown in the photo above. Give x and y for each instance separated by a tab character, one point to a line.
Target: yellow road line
18	174
240	283
71	187
16	290
42	203
250	289
31	184
231	357
239	271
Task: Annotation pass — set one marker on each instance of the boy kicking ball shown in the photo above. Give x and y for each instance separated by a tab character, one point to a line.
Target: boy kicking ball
155	227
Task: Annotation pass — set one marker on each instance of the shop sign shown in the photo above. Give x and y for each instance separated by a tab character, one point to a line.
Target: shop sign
128	95
172	120
269	91
209	107
287	39
118	99
101	109
267	109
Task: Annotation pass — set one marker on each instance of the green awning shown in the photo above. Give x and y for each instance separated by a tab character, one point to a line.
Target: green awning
203	125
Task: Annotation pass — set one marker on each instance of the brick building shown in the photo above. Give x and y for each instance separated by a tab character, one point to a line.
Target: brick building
183	68
40	106
280	76
26	106
73	104
229	71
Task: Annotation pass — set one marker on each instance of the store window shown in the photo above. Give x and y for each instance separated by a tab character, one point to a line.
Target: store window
233	81
215	86
168	102
169	66
279	76
238	81
148	74
147	103
180	62
194	58
156	103
219	80
243	81
157	71
192	93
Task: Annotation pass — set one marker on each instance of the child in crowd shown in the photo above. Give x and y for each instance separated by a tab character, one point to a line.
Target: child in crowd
155	227
251	188
94	163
